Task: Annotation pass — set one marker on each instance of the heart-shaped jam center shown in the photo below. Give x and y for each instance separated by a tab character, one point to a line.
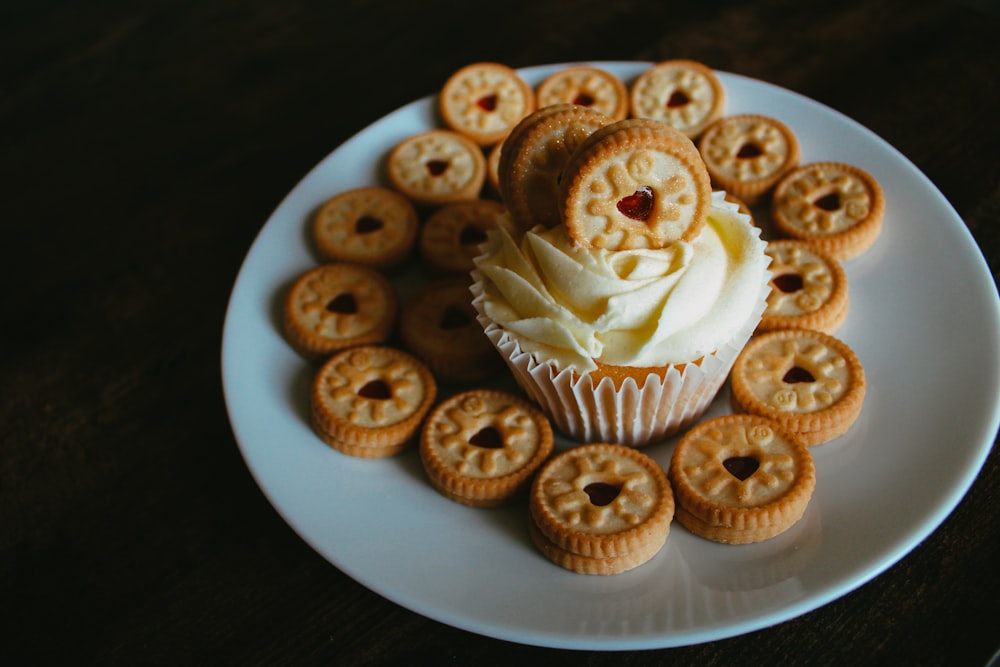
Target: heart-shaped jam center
678	98
601	493
741	467
487	103
367	224
798	374
343	304
436	167
638	205
788	282
471	235
376	389
749	150
488	438
830	202
453	319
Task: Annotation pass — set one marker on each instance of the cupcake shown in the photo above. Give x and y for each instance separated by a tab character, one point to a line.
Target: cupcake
623	320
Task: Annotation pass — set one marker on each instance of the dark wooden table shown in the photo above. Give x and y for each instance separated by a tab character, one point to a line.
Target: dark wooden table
145	143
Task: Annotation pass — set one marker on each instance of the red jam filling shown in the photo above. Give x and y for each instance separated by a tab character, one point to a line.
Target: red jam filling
638	205
788	282
376	389
436	167
343	304
741	467
487	103
488	438
367	224
601	493
797	374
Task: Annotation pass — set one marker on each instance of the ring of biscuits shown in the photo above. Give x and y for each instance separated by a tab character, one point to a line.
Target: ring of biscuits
533	158
809	382
600	508
338	305
837	206
808	288
482	447
740	479
369	401
636	183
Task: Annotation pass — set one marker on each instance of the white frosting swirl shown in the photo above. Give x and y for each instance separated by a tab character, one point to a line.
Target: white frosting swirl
640	307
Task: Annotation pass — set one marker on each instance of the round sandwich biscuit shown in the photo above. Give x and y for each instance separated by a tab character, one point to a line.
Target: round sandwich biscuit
740	479
533	159
374	226
808	288
838	207
437	323
435	167
601	508
811	383
334	306
635	183
370	401
586	86
484	100
482	447
450	236
747	154
685	94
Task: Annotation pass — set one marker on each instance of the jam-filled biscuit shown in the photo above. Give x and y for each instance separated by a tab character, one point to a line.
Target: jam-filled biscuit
682	93
452	234
370	401
484	100
437	323
482	447
374	226
586	86
811	383
747	154
533	159
808	288
334	306
600	508
635	183
740	479
436	167
839	207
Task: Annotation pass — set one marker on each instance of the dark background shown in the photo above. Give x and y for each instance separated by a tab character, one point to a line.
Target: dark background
144	144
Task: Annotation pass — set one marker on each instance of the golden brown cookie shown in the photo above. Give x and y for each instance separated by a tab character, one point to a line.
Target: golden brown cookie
437	323
811	383
338	305
451	235
740	478
436	167
600	508
586	86
682	93
370	401
374	226
533	159
808	288
484	100
482	447
636	183
839	207
493	169
747	154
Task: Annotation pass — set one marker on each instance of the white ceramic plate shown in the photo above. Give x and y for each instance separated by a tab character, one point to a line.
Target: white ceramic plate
924	319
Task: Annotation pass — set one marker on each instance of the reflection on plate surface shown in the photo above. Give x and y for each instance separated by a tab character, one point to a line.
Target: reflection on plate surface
880	490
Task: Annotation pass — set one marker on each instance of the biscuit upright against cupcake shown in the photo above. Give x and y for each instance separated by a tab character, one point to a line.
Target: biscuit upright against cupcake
623	320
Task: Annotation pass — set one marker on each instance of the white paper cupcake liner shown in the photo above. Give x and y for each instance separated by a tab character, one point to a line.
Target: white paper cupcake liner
589	412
